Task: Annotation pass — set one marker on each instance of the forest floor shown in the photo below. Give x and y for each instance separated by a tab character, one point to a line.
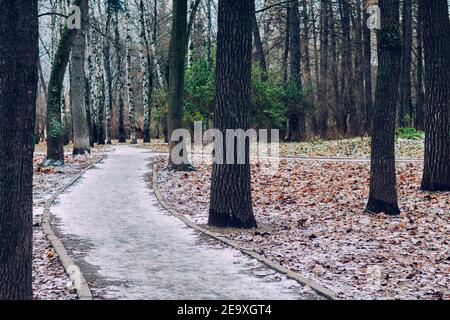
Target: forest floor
312	221
50	281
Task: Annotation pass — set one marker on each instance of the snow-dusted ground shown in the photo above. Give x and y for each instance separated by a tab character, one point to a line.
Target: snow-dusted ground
49	277
312	219
131	248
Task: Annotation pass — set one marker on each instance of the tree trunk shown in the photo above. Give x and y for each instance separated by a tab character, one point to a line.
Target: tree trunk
259	49
358	86
55	129
368	100
420	94
177	57
285	57
120	80
131	102
436	35
297	119
322	114
405	105
108	73
307	62
18	84
347	71
231	201
81	143
383	190
146	67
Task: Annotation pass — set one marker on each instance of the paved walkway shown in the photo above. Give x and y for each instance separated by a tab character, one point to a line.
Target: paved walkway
131	248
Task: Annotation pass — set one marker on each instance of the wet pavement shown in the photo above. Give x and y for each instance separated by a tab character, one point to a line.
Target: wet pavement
131	248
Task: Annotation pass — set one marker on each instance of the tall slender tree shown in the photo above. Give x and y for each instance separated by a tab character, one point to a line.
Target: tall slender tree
367	62
177	62
231	201
131	102
436	35
420	93
18	84
119	78
405	105
297	119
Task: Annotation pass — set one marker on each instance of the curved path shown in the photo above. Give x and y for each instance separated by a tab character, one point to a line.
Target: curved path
130	248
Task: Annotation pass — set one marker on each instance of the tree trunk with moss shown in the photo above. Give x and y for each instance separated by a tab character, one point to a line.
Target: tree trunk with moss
383	186
81	141
55	129
18	83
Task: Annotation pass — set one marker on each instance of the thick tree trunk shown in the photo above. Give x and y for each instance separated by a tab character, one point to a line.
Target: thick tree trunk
81	142
436	35
55	129
231	201
18	84
405	105
383	189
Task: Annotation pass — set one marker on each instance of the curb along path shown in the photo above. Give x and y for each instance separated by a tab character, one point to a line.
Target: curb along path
128	247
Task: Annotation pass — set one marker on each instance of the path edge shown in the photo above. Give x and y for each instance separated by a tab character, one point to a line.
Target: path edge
321	290
83	291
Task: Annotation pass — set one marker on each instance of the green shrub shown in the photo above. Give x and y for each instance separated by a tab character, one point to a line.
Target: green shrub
409	134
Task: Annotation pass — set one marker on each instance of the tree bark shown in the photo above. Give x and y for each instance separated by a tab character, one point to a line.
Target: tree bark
177	60
405	105
147	70
383	189
322	114
55	130
81	142
120	80
436	35
131	102
352	125
259	49
108	74
420	94
297	119
368	99
231	201
18	86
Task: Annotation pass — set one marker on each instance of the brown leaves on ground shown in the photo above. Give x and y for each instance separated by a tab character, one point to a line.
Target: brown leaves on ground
314	213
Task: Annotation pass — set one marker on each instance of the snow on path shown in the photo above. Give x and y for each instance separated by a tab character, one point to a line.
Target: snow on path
130	248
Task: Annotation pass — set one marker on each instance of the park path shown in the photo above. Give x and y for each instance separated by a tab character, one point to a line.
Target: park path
131	248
